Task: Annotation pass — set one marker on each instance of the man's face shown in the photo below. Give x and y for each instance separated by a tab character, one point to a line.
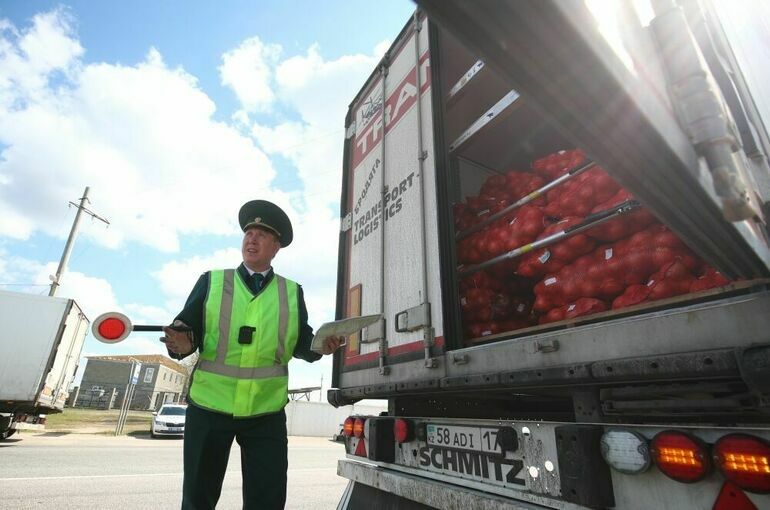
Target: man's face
258	248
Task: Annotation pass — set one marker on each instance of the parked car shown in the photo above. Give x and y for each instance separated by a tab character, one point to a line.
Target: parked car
169	420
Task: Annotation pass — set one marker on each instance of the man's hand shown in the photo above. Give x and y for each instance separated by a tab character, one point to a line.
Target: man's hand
332	343
178	342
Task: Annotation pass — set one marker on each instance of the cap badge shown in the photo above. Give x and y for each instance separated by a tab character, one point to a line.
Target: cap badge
257	220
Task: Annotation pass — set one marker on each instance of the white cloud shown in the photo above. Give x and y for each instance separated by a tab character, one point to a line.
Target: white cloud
136	343
248	70
303	79
147	314
311	260
28	58
381	47
177	278
94	295
19	274
141	136
314	142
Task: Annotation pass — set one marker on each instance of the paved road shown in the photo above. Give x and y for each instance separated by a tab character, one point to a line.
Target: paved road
86	471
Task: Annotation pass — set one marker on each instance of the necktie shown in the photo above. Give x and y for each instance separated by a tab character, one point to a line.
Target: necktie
258	278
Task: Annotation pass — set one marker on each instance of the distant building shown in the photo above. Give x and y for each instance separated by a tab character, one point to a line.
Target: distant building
161	380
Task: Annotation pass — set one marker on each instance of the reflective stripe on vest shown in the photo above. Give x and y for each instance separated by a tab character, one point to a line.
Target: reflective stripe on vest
246	379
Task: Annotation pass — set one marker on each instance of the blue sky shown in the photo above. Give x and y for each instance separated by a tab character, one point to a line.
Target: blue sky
175	113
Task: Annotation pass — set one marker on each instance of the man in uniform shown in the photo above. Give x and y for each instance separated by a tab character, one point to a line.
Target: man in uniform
247	323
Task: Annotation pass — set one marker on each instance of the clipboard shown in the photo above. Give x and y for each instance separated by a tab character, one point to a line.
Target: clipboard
344	327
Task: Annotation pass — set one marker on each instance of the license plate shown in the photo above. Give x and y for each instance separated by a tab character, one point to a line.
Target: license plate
469	452
479	439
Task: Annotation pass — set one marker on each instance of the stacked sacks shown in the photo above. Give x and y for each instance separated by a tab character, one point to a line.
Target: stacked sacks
709	278
513	230
624	261
581	307
511	186
559	163
491	304
579	195
588	272
605	273
674	279
651	264
624	225
551	259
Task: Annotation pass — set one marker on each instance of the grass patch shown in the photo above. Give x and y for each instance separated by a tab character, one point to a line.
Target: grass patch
96	421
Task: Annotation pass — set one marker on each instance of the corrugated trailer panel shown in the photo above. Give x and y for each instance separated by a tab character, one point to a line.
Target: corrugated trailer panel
65	361
30	327
384	245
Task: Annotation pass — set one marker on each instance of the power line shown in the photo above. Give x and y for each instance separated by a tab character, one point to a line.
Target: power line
306	142
276	184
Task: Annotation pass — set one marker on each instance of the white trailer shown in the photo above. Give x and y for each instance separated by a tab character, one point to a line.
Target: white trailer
41	339
659	405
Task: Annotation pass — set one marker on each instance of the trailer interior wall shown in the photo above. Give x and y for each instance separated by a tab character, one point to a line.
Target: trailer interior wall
747	28
516	135
743	28
519	133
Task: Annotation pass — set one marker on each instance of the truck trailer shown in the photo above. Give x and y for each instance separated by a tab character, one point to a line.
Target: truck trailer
560	210
40	344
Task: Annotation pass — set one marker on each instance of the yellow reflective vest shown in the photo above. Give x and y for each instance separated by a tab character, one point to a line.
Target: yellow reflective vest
247	378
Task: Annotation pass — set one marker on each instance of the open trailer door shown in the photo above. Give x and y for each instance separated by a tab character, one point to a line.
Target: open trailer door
389	220
664	107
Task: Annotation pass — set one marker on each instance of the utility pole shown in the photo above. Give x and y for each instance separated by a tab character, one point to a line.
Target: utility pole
71	239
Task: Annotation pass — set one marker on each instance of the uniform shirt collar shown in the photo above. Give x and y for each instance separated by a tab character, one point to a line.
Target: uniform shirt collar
264	273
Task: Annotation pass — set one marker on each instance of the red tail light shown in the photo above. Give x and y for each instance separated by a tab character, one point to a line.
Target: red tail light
745	461
358	427
403	430
680	456
347	427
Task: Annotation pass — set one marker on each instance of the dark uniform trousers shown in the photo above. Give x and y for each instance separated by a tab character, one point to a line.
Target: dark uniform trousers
207	442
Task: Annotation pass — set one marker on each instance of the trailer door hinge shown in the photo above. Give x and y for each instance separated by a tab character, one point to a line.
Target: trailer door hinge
753	364
460	359
544	346
384	369
346	222
428	340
